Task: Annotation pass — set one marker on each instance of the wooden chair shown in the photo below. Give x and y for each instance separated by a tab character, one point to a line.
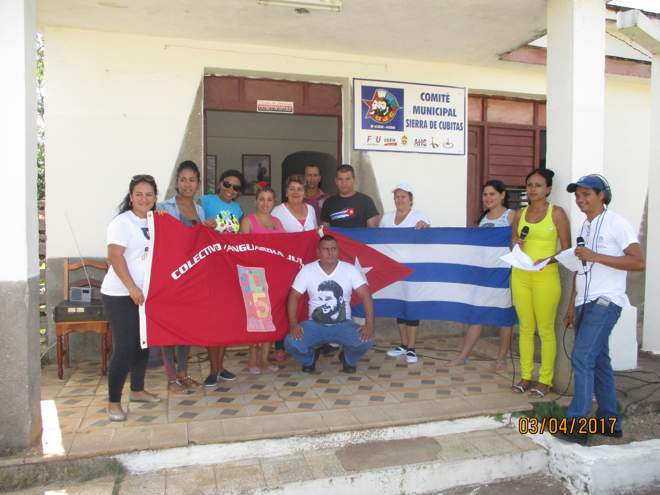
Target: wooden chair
65	324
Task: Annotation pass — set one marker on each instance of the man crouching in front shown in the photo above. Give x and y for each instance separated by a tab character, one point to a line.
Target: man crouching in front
329	284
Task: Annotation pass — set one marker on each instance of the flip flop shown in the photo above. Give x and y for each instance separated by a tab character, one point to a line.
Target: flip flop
539	390
521	387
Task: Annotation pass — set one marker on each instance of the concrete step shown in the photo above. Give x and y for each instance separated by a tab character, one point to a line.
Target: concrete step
481	455
423	458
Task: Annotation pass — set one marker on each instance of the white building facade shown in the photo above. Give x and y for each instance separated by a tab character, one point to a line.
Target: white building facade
125	93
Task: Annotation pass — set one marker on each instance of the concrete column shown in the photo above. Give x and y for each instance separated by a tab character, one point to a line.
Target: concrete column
651	331
646	33
576	93
20	416
575	118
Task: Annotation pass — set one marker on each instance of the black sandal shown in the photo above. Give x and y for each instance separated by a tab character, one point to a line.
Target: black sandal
521	387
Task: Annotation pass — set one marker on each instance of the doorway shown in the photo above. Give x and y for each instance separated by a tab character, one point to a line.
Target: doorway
259	145
238	134
295	164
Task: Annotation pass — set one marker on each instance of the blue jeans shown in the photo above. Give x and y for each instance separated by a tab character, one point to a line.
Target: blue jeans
347	334
591	361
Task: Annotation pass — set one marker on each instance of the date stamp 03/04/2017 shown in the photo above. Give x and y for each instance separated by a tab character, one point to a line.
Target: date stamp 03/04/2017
568	426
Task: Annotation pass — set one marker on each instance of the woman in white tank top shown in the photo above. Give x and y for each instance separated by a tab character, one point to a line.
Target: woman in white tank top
495	214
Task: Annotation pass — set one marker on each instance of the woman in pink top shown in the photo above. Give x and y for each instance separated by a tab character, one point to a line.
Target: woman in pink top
261	222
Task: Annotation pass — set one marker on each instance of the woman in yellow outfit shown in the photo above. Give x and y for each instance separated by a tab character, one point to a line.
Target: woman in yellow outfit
536	294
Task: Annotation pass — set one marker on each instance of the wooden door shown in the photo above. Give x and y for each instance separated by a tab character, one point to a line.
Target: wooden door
505	142
475	172
510	154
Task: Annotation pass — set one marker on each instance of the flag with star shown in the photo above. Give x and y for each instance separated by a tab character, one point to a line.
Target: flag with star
453	274
380	270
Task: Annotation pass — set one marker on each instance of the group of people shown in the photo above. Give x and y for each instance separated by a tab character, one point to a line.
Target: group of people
609	249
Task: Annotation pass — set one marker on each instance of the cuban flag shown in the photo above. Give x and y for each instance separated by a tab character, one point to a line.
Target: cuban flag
345	213
456	273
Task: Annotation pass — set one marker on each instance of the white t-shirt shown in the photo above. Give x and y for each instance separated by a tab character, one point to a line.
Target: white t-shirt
329	295
131	232
291	223
414	216
609	233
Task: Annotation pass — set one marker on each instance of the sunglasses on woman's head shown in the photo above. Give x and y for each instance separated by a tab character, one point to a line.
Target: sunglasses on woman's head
143	177
228	185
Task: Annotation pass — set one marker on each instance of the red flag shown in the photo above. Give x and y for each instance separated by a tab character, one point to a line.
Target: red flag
210	289
205	288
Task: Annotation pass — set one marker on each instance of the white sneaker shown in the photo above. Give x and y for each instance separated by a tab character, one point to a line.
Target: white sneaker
396	351
411	357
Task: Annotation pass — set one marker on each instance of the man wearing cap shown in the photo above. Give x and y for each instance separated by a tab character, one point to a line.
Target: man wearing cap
348	208
608	248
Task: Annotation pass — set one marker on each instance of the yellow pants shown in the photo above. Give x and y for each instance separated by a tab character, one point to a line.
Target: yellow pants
536	297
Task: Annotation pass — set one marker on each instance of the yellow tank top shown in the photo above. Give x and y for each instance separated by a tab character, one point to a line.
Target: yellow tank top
541	241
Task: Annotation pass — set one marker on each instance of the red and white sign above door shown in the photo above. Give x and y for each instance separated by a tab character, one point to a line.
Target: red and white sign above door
271	106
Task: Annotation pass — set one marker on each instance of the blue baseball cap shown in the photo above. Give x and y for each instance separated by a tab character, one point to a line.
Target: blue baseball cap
588	181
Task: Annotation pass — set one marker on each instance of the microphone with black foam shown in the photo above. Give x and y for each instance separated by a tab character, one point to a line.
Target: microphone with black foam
524	232
580	243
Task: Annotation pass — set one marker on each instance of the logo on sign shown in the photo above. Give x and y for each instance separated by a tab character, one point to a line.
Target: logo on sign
383	108
258	309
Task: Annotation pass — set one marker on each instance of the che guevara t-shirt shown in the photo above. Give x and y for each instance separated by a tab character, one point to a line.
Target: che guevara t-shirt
329	293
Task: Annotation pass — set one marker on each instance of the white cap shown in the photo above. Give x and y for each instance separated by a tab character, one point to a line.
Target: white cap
404	186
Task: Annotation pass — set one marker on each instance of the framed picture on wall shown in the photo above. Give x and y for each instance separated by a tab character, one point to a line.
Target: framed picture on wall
209	174
256	168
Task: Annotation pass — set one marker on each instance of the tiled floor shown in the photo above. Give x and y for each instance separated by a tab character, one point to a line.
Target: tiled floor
383	392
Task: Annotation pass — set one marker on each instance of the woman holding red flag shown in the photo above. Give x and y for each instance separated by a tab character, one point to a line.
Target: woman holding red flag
182	206
261	222
224	207
121	291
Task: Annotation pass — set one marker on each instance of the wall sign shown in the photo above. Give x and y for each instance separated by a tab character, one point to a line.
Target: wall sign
270	106
408	117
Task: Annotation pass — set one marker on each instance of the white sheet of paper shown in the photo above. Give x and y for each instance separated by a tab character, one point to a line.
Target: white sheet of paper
568	259
517	259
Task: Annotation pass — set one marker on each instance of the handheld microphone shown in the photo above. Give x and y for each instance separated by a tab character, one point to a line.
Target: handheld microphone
580	243
524	232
